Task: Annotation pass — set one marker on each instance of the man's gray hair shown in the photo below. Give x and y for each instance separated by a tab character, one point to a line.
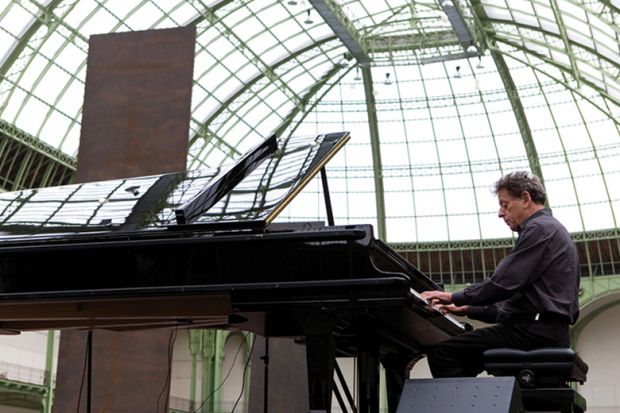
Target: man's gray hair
520	181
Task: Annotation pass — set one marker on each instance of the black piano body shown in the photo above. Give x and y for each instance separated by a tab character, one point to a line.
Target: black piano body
336	288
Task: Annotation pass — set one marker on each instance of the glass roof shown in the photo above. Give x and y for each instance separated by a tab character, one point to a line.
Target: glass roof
456	93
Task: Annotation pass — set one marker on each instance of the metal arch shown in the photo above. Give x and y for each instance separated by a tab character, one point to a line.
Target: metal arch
212	18
408	142
610	6
382	44
606	111
567	43
455	16
213	8
210	15
335	18
43	72
545	59
488	30
568	164
594	52
313	90
27	162
513	96
37	145
75	31
439	164
23	41
288	58
519	111
375	146
48	18
253	81
598	162
469	166
309	109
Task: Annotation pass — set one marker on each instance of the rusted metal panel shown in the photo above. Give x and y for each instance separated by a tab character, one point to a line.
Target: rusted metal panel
129	371
137	104
135	121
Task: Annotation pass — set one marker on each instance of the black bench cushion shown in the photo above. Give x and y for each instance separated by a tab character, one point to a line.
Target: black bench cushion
557	361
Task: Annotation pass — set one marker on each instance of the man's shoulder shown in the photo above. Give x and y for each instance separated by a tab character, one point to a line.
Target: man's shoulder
543	222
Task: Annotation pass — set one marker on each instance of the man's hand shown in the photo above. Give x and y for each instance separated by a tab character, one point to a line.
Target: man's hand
437	297
452	309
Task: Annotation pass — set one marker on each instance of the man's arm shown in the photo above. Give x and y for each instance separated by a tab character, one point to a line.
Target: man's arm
487	314
516	271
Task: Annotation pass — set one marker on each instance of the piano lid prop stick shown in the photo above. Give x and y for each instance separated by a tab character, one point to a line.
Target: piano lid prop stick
328	202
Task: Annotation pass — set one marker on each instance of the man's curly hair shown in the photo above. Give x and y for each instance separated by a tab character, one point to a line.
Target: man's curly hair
520	181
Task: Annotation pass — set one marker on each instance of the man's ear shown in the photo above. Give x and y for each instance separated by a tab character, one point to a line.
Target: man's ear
527	198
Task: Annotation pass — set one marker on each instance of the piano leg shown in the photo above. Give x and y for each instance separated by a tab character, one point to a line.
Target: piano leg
321	357
368	376
396	373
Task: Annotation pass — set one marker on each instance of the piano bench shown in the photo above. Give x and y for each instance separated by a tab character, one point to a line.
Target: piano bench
554	366
544	376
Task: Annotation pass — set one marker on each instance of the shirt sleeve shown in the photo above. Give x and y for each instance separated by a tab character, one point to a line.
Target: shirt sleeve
487	313
515	272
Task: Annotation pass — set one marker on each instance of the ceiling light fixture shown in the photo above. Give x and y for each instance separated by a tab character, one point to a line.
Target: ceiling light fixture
471	48
457	74
308	19
292	3
480	65
357	77
387	79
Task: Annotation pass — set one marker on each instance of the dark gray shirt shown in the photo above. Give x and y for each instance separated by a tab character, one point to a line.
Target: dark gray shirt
540	275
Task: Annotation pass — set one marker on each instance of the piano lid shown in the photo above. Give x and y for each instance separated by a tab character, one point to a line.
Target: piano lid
249	193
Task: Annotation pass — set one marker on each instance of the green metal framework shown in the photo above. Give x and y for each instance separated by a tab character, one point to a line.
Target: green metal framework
434	122
26	388
460	262
280	67
27	162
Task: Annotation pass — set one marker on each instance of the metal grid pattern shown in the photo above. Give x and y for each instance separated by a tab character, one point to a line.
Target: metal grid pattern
537	89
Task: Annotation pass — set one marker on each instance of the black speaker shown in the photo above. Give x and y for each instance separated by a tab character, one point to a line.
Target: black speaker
461	395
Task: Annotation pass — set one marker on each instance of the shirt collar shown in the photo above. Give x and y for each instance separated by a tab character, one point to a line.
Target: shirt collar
544	211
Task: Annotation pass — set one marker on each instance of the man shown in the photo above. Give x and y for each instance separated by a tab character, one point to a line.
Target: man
531	295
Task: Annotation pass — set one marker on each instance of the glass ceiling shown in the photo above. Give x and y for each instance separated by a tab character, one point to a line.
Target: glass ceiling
456	93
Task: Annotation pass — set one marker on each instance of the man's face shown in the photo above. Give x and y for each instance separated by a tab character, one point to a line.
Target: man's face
512	210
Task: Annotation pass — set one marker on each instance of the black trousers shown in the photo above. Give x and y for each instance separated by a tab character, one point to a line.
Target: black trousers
461	356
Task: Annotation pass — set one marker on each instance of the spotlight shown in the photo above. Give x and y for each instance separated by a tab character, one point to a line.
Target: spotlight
134	190
387	79
357	77
308	19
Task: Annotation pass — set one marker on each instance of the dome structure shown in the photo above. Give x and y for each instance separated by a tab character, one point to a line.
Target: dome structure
441	97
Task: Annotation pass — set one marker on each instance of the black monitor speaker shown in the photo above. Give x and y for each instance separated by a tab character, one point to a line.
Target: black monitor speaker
461	395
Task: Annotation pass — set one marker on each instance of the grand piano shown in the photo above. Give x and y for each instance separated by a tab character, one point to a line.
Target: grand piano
201	249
